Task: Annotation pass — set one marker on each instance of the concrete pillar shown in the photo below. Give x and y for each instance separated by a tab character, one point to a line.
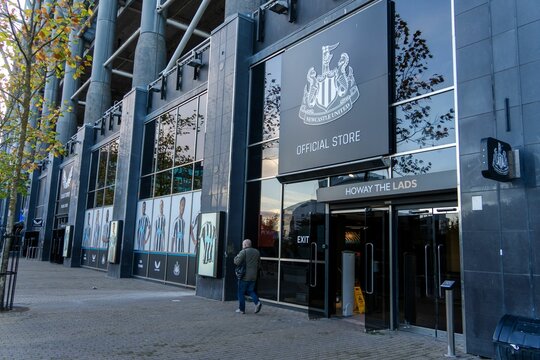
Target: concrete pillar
223	186
241	6
67	122
77	200
151	52
127	179
98	98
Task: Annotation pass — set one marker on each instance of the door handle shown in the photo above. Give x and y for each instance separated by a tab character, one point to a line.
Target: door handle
313	274
370	265
439	247
426	253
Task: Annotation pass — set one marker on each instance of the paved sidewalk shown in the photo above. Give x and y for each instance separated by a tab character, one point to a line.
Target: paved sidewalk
66	313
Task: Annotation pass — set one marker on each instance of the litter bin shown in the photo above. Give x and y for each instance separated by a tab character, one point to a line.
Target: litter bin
517	337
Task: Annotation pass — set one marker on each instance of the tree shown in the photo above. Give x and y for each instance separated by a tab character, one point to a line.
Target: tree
34	40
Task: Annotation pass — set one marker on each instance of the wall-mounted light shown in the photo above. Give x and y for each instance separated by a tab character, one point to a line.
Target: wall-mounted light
279	6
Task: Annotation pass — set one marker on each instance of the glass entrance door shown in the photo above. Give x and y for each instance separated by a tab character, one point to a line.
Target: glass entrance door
428	254
363	232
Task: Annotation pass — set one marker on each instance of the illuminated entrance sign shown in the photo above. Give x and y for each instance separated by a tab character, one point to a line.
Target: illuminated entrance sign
390	187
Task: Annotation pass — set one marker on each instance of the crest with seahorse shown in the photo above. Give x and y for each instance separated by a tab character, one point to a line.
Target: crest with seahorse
330	95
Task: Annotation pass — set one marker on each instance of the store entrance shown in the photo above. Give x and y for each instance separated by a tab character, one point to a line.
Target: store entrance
428	254
359	249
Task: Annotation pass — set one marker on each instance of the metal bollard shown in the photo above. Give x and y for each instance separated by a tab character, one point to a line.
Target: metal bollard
450	323
448	285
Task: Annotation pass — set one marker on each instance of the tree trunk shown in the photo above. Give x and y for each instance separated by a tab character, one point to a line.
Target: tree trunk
8	241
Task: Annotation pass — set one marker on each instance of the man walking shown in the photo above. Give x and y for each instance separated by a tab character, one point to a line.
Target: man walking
252	260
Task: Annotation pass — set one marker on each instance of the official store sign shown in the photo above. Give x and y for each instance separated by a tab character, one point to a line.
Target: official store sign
334	104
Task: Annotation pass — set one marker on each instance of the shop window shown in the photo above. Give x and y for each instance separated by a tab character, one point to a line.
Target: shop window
299	207
425	122
424	162
186	133
148	158
266	104
268	218
146	189
263	160
198	176
102	166
93	171
165	141
113	161
109	196
267	284
163	183
423	50
294	280
99	198
182	178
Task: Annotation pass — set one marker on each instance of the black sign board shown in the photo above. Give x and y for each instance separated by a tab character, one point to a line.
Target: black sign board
37	222
496	159
335	93
390	187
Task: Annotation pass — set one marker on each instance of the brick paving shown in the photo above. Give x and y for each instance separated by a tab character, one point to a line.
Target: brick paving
63	313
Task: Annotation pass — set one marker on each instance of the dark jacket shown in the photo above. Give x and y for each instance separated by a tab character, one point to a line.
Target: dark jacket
253	262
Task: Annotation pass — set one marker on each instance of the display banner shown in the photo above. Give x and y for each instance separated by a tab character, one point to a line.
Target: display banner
208	241
177	268
65	189
157	266
335	94
140	263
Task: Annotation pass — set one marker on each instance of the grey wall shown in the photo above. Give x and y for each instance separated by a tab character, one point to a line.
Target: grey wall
224	148
127	177
498	57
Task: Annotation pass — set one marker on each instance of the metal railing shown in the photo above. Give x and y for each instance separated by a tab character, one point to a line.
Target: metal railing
10	276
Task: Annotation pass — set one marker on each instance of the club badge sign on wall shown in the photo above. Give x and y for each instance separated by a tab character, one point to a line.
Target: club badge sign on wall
334	104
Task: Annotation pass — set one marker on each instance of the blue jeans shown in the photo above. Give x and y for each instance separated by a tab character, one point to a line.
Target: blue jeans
249	288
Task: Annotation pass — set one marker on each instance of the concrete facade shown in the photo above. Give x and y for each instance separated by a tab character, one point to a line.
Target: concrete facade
494	87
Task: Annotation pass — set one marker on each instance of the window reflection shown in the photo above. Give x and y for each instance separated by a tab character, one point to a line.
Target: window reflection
359	177
299	206
148	158
182	178
113	159
165	141
186	133
198	176
263	160
426	122
102	167
163	183
268	221
294	280
109	196
146	189
424	162
423	47
267	282
272	98
265	101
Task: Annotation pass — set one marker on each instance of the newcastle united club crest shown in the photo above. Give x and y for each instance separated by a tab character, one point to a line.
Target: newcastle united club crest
331	94
500	161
